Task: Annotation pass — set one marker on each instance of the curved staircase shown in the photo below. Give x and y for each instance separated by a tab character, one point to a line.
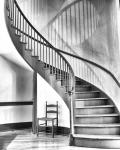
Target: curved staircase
94	118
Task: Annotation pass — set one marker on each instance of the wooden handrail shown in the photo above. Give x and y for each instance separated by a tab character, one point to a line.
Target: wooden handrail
78	57
17	14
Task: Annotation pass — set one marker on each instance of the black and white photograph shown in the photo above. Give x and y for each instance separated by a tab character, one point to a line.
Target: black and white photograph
59	74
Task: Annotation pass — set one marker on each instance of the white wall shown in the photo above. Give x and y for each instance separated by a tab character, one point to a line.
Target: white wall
12	79
46	93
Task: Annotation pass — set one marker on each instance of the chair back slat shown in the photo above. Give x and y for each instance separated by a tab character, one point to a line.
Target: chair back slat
52	111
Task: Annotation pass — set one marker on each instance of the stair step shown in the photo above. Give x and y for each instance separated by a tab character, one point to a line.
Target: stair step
90	102
82	88
92	136
87	94
97	115
97	125
96	119
29	50
90	99
97	141
94	107
103	129
105	109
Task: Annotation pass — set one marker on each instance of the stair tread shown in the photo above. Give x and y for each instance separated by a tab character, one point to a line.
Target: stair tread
87	92
82	85
82	99
29	50
97	125
88	136
92	107
98	115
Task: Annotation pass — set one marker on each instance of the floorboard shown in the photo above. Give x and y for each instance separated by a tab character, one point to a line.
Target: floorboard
25	140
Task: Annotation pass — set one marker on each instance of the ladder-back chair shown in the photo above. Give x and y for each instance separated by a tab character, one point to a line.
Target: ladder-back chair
50	109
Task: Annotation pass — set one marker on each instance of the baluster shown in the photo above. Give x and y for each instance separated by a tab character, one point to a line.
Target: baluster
58	33
40	48
65	77
11	9
52	60
37	44
46	55
49	57
66	27
84	19
91	16
13	12
60	68
28	37
25	32
34	44
71	25
31	40
43	52
17	20
62	31
87	18
75	24
55	33
79	22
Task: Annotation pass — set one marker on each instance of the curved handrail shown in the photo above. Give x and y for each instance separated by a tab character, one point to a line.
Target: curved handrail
15	13
81	58
41	48
92	63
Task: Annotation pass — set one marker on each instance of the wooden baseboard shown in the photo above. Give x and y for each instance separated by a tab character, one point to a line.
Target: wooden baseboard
12	126
26	125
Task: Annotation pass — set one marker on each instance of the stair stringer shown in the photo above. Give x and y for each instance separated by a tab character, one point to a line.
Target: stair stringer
34	63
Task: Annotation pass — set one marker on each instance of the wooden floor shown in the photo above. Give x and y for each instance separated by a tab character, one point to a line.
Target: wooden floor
25	140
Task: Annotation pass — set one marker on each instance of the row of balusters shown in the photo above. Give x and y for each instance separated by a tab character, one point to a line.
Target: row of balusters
74	24
39	46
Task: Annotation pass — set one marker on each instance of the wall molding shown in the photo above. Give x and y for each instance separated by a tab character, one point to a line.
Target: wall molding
16	103
26	125
12	126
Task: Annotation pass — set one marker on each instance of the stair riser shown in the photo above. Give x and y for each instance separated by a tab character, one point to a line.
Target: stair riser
96	120
90	111
79	103
82	89
86	95
80	83
96	143
98	131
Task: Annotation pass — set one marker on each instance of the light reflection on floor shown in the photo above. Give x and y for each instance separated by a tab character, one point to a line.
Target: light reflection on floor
25	140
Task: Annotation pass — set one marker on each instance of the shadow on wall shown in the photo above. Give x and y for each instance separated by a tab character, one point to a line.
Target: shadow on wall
16	81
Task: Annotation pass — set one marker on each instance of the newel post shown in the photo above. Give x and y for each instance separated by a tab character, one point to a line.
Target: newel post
34	111
71	95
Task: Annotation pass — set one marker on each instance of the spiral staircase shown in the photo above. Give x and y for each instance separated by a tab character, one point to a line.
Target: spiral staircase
94	118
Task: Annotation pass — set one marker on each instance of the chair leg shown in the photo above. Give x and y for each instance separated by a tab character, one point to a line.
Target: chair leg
37	127
52	128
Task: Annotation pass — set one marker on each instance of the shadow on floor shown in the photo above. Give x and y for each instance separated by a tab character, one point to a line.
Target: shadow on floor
5	140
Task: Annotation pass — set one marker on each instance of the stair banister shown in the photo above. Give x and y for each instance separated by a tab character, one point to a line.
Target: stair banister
40	47
72	27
